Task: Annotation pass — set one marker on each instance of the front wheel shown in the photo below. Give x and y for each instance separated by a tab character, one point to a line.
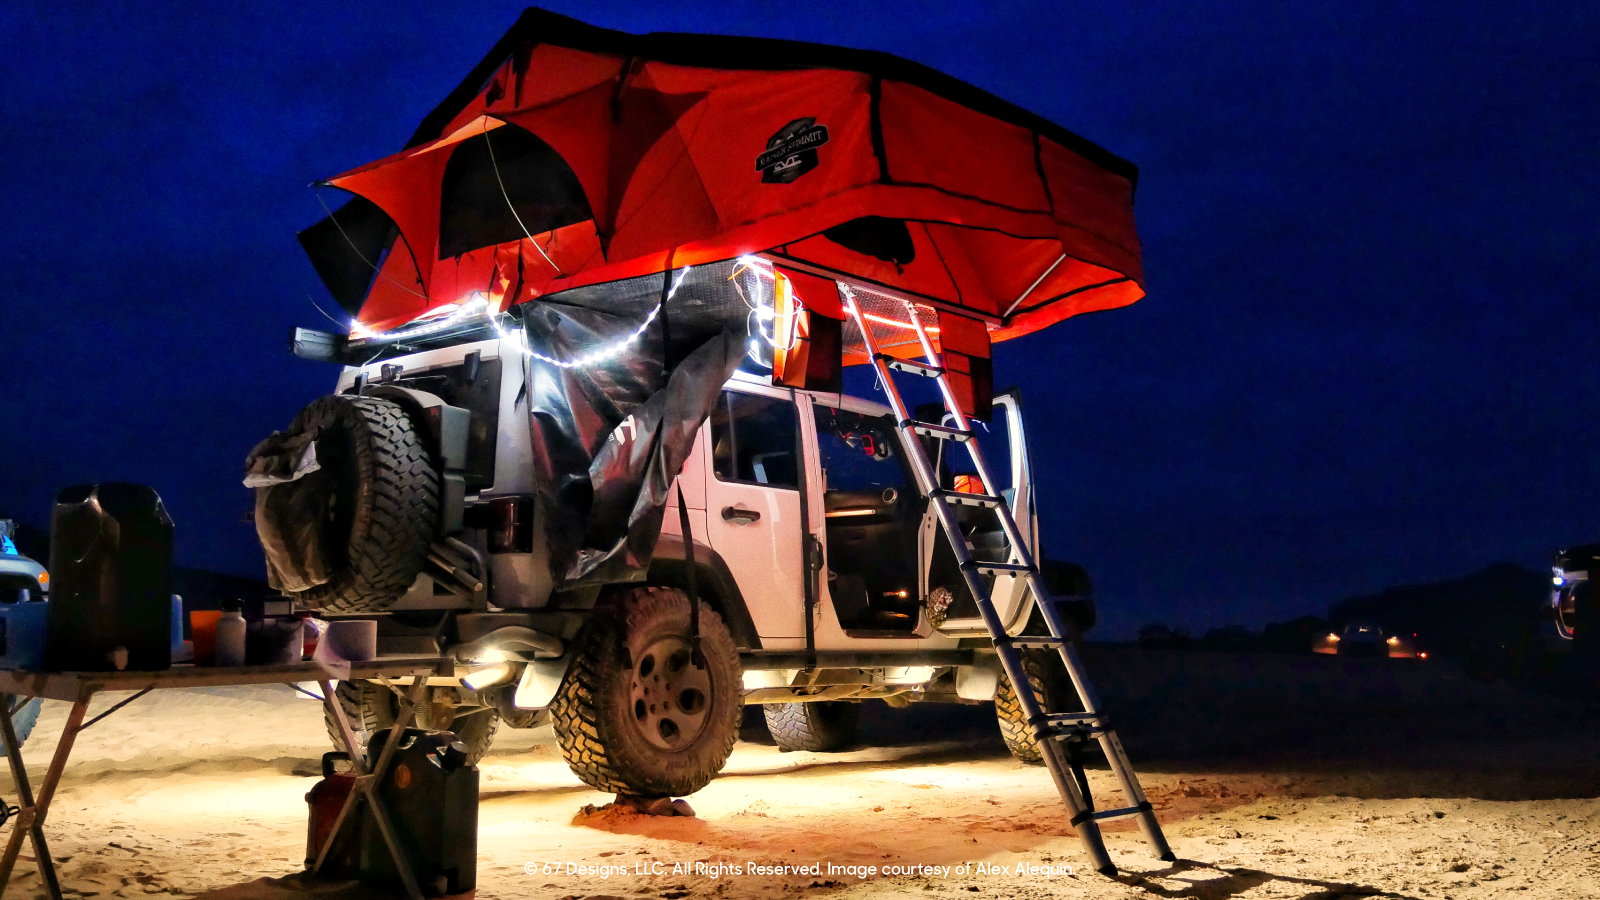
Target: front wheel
1050	684
823	727
637	714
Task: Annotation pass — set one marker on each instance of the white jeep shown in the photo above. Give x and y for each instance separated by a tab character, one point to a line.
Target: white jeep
821	574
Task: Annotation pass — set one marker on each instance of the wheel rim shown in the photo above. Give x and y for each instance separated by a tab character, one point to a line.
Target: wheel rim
671	695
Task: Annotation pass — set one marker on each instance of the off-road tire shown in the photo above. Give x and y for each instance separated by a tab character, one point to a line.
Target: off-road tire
600	720
474	726
386	501
500	698
370	708
821	727
1049	678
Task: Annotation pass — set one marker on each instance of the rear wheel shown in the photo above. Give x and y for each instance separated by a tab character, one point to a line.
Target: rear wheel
823	727
636	713
370	708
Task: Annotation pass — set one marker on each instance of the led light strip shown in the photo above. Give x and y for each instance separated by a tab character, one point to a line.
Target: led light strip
602	354
476	305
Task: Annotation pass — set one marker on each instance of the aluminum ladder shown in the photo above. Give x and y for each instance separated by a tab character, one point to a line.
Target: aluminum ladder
1060	735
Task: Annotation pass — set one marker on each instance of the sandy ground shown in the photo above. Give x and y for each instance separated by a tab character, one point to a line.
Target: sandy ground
1295	777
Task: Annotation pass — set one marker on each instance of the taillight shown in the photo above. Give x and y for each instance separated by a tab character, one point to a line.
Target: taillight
511	525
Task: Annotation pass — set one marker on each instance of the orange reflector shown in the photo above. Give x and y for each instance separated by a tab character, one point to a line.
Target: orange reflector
969	484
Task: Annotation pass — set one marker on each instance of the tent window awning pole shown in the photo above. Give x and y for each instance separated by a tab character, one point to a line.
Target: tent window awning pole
1036	282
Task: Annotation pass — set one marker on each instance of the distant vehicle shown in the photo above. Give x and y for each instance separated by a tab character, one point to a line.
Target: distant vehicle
22	580
1366	637
1571	596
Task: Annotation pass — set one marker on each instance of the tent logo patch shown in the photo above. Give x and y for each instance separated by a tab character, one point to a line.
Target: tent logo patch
791	152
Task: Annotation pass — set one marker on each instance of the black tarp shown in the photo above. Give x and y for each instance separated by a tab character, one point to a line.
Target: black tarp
609	436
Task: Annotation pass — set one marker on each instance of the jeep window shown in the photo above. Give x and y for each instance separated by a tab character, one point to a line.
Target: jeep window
858	453
956	469
753	440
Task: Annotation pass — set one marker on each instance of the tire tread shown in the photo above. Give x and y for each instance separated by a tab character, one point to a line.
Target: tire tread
397	504
575	712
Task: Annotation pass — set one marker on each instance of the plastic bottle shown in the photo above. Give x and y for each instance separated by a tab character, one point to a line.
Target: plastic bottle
230	634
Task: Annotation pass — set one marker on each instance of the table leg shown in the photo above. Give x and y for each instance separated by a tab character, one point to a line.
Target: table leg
30	818
367	781
347	735
380	814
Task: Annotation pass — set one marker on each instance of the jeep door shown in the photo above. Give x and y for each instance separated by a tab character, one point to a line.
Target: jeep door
753	506
1004	443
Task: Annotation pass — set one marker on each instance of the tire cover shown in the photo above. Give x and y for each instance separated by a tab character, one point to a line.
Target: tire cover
351	534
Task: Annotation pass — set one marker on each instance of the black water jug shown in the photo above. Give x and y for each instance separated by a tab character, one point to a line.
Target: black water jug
110	580
431	793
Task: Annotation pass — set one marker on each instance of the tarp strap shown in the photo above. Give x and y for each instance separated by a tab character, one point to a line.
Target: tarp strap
689	581
810	553
666	324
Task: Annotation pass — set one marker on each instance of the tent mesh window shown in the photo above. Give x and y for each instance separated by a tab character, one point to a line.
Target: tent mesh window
506	162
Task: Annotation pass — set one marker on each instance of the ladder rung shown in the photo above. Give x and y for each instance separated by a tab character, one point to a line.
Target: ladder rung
942	432
1073	720
906	365
1030	641
1126	812
989	568
958	498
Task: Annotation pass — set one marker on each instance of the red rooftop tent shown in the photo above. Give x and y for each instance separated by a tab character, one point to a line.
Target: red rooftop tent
624	155
580	178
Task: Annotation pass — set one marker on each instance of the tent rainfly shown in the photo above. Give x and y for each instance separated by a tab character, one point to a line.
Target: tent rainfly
579	179
574	155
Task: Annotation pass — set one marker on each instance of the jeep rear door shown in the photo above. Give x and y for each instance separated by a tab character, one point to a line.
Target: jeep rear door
753	505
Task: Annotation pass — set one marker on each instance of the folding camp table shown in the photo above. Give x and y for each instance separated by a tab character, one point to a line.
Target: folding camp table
78	688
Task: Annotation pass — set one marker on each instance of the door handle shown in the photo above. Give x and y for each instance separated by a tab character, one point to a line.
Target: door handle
740	516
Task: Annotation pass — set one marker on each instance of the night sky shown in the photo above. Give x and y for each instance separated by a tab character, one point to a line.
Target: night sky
1368	354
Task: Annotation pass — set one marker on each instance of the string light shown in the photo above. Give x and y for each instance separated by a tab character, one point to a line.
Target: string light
762	321
601	354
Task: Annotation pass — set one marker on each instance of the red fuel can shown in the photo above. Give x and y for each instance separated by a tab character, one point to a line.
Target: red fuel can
325	799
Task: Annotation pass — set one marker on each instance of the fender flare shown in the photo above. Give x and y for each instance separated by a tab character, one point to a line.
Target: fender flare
713	578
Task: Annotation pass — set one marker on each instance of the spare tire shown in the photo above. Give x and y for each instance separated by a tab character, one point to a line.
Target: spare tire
384	505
